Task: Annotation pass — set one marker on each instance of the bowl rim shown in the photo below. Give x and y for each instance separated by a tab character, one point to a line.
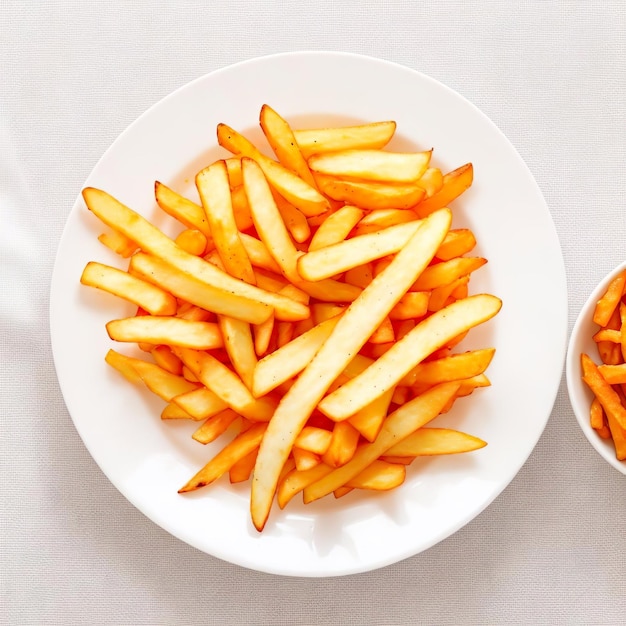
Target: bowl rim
580	396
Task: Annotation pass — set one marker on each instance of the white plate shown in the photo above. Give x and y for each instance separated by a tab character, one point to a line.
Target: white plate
148	460
581	340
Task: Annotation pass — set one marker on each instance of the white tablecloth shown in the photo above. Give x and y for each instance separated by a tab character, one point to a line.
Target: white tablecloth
551	75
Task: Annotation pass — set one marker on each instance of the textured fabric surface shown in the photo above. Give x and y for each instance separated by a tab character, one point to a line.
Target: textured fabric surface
73	75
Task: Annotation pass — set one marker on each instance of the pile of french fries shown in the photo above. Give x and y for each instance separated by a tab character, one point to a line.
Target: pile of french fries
306	313
608	380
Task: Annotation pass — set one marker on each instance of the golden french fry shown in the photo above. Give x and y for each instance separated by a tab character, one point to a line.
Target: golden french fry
262	335
376	165
432	181
400	424
365	136
412	305
313	439
295	221
120	244
192	241
305	459
454	184
268	221
425	338
221	463
214	426
173	331
233	166
453	367
342	256
124	285
379	476
336	227
289	360
458	241
153	241
369	420
186	286
227	385
435	441
350	334
173	412
343	444
201	403
213	187
329	290
283	142
295	190
294	481
161	382
383	218
371	195
446	272
239	344
241	470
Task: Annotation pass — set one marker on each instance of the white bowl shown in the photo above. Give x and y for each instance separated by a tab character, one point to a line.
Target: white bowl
581	340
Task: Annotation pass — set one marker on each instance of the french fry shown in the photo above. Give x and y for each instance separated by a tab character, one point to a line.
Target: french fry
124	285
453	367
187	286
241	470
295	481
283	142
201	403
295	190
431	181
192	241
400	424
213	187
305	459
446	272
173	412
351	332
336	227
412	305
607	304
379	476
268	221
313	439
289	360
221	463
435	441
606	395
458	242
425	338
239	344
342	256
120	244
383	218
295	221
371	195
366	136
343	444
262	334
161	382
173	331
373	165
215	426
454	184
370	418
